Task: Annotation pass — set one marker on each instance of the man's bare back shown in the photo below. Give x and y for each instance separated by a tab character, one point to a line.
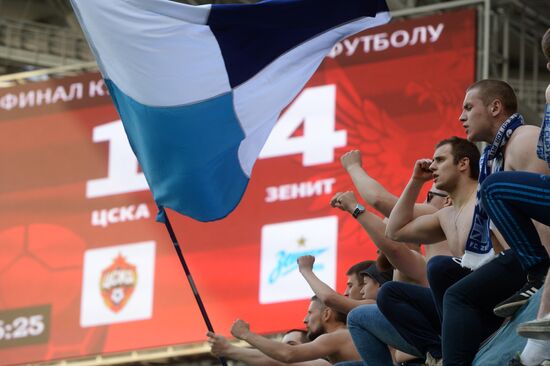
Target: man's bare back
346	349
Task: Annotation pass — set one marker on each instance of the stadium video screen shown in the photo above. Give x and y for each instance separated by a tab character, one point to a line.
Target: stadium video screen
84	267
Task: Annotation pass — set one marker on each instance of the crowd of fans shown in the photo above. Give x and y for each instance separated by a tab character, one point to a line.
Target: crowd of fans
485	225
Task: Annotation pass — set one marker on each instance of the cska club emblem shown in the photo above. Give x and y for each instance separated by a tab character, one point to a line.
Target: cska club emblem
117	283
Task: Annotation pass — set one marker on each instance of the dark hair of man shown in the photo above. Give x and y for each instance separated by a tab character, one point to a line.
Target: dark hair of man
303	334
545	44
358	267
338	316
462	148
489	90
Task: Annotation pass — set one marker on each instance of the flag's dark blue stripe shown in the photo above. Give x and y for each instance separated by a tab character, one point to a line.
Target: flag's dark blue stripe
189	154
251	36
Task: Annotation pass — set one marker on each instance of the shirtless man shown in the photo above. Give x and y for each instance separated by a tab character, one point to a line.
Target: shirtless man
326	329
220	347
407	259
371	331
454	169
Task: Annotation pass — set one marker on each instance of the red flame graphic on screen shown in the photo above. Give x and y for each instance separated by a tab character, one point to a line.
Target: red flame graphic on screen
117	283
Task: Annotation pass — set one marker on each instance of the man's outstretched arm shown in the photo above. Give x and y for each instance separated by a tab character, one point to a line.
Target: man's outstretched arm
408	262
325	293
284	352
220	347
371	191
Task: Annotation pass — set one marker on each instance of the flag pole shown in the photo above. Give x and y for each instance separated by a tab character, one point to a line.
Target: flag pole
190	279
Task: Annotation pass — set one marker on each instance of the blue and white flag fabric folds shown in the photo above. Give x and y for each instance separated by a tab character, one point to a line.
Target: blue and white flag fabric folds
199	88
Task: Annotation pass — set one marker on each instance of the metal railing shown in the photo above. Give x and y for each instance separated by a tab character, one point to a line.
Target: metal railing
515	53
41	44
532	98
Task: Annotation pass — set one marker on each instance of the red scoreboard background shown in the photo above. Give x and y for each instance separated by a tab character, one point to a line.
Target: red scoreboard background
84	267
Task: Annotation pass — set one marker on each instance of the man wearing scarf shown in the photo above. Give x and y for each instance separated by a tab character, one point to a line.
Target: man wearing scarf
512	199
489	115
467	290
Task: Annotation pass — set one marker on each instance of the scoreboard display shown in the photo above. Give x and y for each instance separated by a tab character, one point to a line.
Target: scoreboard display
86	270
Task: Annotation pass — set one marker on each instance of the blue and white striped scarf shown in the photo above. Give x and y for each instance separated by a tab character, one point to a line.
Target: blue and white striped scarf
479	249
543	146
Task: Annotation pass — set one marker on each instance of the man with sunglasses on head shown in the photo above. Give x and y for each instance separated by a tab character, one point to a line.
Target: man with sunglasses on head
411	309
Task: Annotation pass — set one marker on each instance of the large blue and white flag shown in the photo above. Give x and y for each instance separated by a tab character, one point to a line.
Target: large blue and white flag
199	88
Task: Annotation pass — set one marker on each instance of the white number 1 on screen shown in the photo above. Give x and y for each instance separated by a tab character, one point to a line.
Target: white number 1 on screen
315	107
123	175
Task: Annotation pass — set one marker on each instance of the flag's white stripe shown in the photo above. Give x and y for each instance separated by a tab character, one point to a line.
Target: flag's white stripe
154	58
197	14
259	100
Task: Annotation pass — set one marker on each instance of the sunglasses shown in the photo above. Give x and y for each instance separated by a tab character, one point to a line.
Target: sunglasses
431	195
